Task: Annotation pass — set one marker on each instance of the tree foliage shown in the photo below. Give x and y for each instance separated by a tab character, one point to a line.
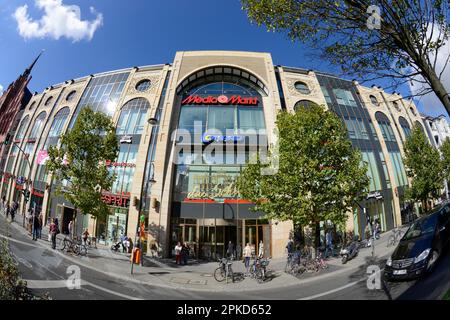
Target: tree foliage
80	159
320	175
445	150
404	48
423	164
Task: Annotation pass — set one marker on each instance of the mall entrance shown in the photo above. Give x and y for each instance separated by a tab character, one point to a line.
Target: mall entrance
208	239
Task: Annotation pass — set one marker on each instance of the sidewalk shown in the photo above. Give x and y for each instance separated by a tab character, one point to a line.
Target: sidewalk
198	275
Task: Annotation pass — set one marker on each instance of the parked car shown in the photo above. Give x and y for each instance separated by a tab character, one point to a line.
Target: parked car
421	246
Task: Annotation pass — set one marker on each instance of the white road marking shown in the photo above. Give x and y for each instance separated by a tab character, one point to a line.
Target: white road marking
331	291
351	284
57	284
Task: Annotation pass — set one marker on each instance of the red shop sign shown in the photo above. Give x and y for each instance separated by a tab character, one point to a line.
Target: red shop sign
116	200
211	100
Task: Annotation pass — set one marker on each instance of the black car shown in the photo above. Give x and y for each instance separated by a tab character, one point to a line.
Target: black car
421	246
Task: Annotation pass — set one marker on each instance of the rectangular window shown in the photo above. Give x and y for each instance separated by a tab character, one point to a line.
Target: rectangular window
222	119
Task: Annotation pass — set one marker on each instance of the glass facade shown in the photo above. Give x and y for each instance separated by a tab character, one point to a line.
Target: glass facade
343	99
405	126
23	127
102	94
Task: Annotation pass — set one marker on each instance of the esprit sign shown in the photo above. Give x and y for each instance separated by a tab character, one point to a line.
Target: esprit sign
221	100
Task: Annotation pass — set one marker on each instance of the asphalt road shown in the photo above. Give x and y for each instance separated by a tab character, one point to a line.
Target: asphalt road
41	265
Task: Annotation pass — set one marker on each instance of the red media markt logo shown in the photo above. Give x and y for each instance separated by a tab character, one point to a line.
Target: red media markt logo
222	99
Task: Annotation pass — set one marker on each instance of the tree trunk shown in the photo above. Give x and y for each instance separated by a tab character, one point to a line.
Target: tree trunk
316	239
436	84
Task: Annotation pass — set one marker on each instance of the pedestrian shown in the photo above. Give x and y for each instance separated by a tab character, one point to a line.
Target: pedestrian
290	246
12	212
41	224
238	251
123	239
70	229
230	250
54	231
85	236
185	253
247	255
261	249
178	248
377	229
7	210
35	227
328	243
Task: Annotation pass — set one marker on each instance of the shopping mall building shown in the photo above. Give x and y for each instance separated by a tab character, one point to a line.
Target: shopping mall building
223	100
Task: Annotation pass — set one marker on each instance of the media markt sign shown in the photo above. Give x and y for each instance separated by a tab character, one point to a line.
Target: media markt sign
221	100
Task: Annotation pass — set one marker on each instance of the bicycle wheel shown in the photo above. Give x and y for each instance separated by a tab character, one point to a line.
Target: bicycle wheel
219	274
260	275
76	249
83	250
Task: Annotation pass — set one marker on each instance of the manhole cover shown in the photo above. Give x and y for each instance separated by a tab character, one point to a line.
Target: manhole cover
206	275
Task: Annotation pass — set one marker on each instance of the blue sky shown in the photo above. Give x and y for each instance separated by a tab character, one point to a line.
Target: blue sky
120	34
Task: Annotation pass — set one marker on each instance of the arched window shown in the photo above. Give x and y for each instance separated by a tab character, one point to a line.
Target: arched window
22	128
48	101
32	105
305	104
38	123
132	117
385	127
405	126
71	95
302	87
373	100
417	123
413	111
57	126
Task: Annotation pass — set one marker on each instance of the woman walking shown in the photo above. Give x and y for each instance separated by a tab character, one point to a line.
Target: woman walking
54	231
178	249
247	255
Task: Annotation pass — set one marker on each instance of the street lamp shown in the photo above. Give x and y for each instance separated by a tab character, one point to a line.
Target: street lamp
152	121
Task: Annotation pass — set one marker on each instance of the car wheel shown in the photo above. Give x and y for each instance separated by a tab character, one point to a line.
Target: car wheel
432	260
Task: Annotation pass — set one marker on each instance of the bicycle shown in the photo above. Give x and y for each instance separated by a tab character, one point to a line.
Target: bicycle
293	260
70	246
258	270
224	271
396	235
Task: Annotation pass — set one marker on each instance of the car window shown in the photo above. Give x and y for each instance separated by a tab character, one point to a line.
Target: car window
422	226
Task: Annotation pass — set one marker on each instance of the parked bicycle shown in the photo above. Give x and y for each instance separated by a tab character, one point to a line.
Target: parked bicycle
69	245
395	237
258	270
224	271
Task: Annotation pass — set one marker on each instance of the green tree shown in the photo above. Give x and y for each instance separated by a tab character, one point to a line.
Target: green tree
320	175
80	159
404	41
445	155
423	164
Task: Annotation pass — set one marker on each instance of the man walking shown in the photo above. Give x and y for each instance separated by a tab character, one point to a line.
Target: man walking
230	250
35	227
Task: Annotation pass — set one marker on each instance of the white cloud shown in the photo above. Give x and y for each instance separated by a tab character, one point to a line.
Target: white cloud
59	20
430	102
1	89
